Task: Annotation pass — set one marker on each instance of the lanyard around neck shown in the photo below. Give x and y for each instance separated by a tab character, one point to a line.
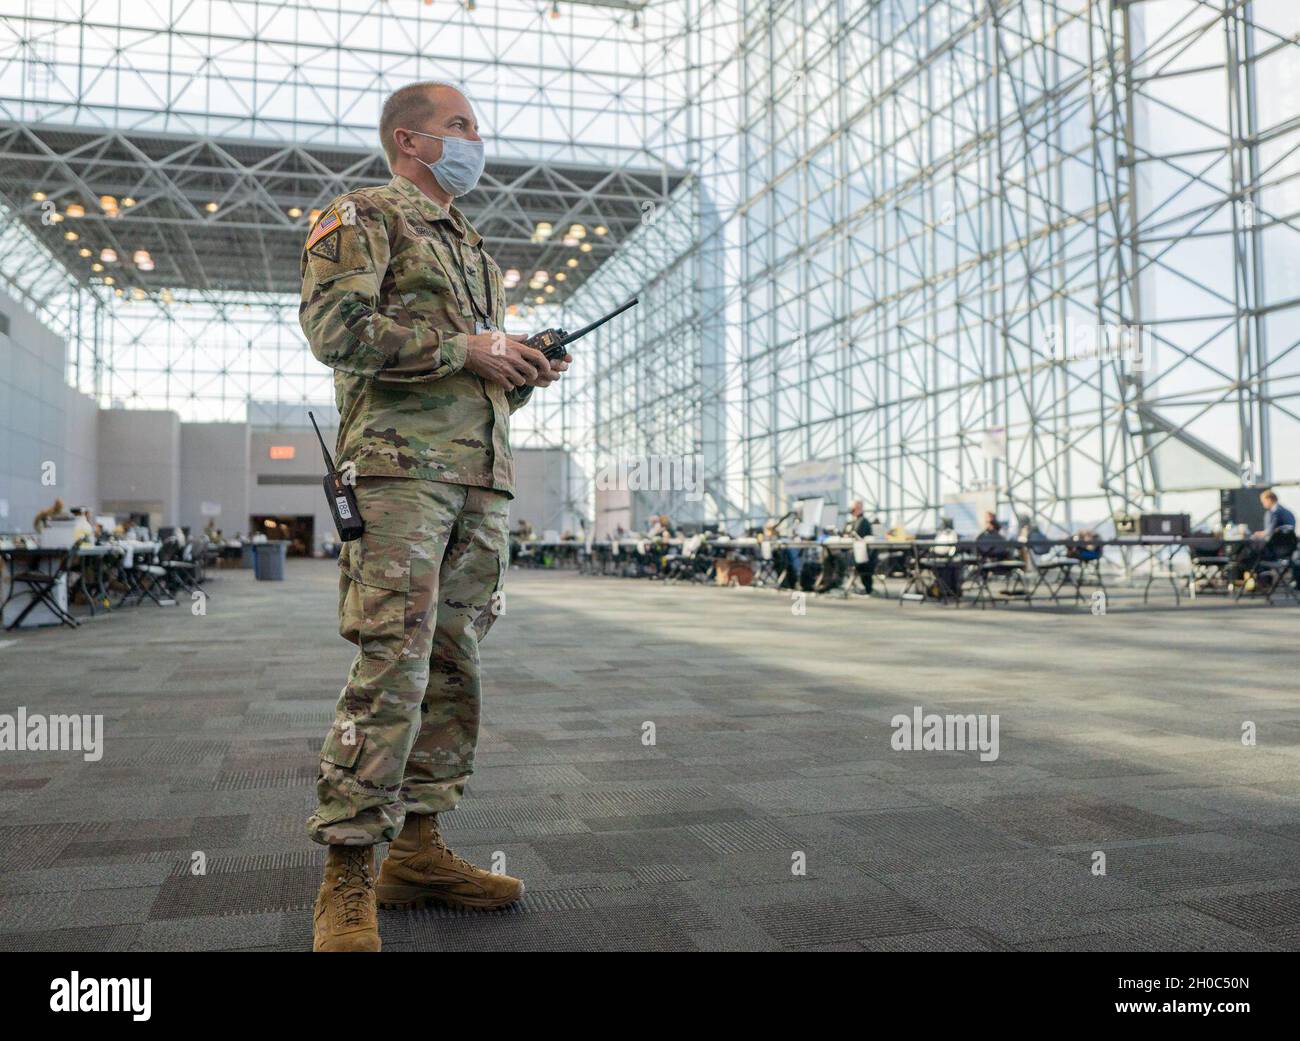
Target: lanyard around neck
455	247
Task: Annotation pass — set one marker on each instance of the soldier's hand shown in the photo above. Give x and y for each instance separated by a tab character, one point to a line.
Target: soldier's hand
507	362
557	366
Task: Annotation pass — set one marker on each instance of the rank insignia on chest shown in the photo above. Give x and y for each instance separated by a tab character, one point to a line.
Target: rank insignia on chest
322	242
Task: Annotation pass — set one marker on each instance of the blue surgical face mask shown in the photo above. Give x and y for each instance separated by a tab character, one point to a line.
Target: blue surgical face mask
461	164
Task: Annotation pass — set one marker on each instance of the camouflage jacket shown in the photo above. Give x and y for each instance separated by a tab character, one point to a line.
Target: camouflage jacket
390	283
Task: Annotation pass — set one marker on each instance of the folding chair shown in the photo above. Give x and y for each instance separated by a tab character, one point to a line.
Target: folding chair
1209	571
40	586
1054	573
144	578
177	560
1012	573
1274	569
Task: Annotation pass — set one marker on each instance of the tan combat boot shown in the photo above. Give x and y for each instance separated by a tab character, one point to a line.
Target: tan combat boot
345	906
420	868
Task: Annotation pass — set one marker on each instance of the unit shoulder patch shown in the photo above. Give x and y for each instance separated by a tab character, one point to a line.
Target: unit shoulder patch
327	248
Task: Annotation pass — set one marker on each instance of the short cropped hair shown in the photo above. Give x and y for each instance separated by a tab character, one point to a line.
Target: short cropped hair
406	107
1269	495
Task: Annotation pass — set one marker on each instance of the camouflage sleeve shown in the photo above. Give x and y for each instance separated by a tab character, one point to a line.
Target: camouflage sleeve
350	328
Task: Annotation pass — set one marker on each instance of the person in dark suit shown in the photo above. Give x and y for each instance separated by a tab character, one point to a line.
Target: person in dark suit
1275	515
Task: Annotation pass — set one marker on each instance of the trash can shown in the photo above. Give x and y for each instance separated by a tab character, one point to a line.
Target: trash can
268	560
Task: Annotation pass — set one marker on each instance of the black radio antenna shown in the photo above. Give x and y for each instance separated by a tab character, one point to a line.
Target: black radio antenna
329	461
599	322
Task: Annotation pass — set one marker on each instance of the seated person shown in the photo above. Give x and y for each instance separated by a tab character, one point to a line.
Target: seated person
1278	521
1275	515
991	542
1029	536
948	576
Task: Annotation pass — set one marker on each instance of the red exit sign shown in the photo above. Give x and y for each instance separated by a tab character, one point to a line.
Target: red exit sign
282	451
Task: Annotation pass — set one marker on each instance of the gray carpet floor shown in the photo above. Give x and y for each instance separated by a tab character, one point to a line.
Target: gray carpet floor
1119	735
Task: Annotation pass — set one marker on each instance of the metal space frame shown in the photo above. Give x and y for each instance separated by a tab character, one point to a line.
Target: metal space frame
897	216
1047	248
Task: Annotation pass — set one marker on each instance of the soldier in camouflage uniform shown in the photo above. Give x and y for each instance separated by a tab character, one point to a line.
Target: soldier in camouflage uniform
400	298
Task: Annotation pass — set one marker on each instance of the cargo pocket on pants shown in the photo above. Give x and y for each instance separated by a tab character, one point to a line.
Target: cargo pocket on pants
342	746
373	612
496	601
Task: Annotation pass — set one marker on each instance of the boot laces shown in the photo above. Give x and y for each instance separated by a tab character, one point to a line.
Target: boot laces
456	859
438	849
353	888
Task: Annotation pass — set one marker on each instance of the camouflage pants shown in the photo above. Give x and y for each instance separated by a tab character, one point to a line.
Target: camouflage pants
417	592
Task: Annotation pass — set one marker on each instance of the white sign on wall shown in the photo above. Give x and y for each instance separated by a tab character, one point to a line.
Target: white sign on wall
816	478
210	509
966	510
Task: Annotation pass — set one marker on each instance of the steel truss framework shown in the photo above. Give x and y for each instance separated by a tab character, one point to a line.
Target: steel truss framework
266	109
1049	247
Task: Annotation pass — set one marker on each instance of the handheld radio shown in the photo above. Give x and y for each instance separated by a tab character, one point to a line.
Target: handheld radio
340	496
552	342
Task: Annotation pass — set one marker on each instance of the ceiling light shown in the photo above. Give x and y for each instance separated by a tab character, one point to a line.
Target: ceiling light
585	247
146	265
108	280
539	299
128	202
600	229
108	204
108	256
137	293
56	217
577	231
38	196
550	289
167	296
295	212
544	228
541	276
570	241
83	252
75	209
71	236
96	266
141	256
212	207
560	276
314	216
572	262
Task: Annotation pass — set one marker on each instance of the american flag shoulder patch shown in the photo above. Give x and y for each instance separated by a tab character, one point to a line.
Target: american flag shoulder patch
329	222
